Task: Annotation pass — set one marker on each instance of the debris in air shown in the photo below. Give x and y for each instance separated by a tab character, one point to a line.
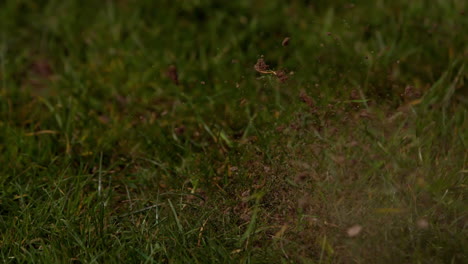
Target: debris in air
354	230
264	68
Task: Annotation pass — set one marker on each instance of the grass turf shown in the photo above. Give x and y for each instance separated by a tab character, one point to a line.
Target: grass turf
139	131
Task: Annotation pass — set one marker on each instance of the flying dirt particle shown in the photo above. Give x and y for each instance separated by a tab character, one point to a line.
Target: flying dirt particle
411	93
196	135
307	99
276	114
245	217
172	74
179	130
304	203
285	41
282	75
264	68
354	230
280	128
104	119
243	102
39	74
301	177
352	144
261	66
354	95
339	159
422	223
365	114
41	68
121	100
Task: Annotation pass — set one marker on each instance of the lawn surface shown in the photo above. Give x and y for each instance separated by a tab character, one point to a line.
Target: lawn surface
246	131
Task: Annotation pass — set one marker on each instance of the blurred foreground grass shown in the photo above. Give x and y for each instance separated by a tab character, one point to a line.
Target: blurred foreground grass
139	131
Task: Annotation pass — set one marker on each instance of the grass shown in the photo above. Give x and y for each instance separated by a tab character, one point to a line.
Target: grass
140	132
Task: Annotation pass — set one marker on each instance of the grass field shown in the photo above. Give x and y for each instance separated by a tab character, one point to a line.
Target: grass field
246	131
